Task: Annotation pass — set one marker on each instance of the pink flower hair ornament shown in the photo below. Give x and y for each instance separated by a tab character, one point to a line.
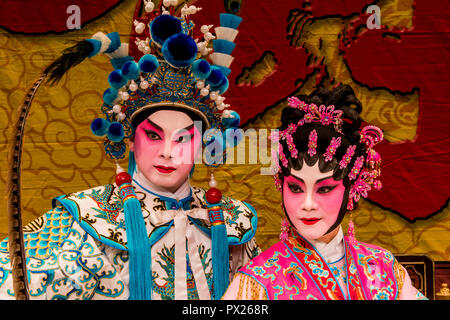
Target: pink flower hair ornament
369	169
366	169
325	115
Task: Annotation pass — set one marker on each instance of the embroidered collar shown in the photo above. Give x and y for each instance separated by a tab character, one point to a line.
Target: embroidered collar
180	199
171	203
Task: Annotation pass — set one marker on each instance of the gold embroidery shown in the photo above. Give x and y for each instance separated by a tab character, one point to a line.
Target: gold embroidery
241	285
399	275
255	289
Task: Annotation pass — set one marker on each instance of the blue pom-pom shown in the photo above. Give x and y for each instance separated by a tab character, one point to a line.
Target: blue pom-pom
233	121
130	70
118	63
230	20
99	127
201	69
96	44
163	27
180	50
223	46
116	79
115	42
115	132
148	63
215	77
222	86
110	95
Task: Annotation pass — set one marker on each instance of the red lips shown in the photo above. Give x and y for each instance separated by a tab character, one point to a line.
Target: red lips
310	221
164	169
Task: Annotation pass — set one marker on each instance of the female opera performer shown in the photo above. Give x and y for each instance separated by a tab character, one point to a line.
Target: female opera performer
325	164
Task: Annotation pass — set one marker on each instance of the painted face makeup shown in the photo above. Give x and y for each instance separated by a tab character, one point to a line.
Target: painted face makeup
312	200
165	146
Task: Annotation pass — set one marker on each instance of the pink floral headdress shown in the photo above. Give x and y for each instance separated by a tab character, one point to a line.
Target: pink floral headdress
366	168
369	169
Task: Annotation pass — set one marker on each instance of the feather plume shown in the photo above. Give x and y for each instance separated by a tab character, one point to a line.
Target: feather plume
70	57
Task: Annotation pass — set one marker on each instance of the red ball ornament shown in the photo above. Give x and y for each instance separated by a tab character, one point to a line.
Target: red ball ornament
122	178
213	196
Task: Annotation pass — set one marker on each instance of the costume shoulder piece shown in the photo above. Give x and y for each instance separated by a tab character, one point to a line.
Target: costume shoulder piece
370	251
40	236
100	213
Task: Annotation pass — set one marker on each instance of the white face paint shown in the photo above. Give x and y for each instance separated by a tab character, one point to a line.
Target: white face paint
312	200
165	146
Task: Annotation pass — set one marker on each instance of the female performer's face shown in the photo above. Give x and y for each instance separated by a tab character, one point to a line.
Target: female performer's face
312	200
165	146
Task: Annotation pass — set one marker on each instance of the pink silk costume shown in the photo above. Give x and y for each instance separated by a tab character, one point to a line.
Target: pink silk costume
295	270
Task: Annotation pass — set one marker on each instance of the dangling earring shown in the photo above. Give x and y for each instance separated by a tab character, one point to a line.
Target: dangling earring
351	230
284	230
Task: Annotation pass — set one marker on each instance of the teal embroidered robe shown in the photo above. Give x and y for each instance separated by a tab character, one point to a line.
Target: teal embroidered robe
78	249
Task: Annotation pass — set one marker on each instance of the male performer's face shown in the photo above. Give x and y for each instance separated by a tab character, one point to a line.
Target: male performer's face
165	146
312	200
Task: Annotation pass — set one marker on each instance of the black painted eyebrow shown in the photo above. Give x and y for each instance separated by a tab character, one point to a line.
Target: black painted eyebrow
320	180
161	129
155	125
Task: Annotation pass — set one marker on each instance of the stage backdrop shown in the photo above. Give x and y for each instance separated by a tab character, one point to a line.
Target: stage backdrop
399	71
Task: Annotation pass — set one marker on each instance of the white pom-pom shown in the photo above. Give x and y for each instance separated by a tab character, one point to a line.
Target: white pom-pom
149	6
205	28
120	52
147	50
133	86
204	91
220	99
208	36
193	10
226	113
167	3
174	3
200	84
124	95
144	85
121	116
184	10
139	27
213	95
100	36
117	108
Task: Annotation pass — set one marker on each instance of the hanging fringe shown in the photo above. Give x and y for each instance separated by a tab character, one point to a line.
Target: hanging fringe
220	252
139	249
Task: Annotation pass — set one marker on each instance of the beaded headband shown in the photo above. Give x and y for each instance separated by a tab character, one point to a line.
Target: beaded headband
366	169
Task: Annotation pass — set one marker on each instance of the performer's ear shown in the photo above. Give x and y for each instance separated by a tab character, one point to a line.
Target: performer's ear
131	144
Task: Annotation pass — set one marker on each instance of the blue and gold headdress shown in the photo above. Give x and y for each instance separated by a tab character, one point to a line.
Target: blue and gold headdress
176	71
